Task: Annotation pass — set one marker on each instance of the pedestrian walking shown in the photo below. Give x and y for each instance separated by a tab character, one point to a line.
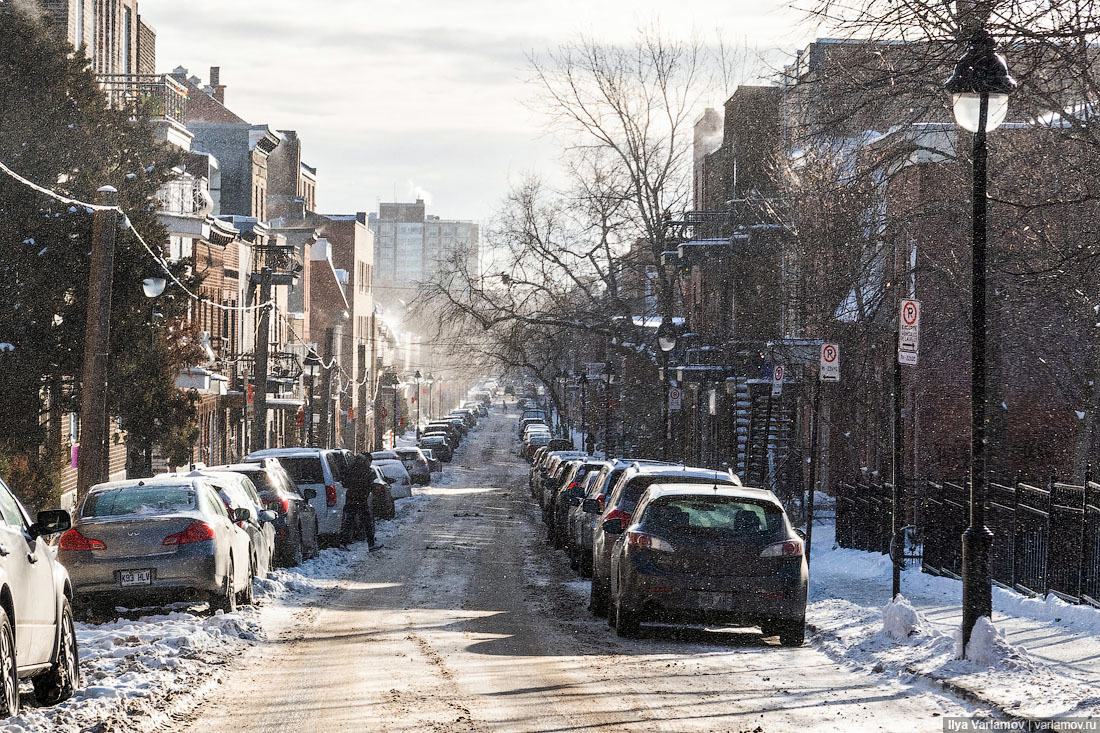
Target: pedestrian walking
358	514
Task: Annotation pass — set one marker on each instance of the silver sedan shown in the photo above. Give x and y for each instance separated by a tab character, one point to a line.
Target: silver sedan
155	540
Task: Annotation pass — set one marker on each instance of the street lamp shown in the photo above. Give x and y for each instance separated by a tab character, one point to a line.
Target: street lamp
585	437
608	378
429	380
666	341
152	287
417	377
312	365
979	89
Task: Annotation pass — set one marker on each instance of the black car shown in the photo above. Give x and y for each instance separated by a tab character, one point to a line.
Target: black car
620	504
569	493
454	434
296	520
439	446
709	554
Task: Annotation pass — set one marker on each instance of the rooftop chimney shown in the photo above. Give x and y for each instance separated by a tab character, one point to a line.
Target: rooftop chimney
216	83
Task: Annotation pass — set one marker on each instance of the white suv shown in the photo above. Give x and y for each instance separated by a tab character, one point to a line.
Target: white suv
317	469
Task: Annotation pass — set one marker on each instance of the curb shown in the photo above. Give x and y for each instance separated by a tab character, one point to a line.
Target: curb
954	688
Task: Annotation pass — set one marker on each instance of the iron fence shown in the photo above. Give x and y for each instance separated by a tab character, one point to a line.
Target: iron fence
1045	539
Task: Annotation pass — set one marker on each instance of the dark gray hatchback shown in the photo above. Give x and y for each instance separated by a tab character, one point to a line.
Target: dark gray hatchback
701	554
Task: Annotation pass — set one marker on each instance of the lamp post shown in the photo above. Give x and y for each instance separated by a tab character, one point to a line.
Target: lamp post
152	286
417	377
429	380
666	341
608	380
979	89
312	364
585	437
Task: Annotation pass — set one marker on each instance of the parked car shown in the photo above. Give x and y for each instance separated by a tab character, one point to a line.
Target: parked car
416	463
382	496
579	528
570	493
295	518
37	633
434	464
527	421
400	482
453	432
700	554
317	469
533	443
389	455
548	462
160	539
620	505
439	446
238	492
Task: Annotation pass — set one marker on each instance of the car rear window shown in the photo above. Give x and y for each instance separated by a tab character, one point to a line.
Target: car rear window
139	501
634	488
716	514
304	470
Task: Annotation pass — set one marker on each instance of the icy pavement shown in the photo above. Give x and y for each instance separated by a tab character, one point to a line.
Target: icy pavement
1040	658
139	673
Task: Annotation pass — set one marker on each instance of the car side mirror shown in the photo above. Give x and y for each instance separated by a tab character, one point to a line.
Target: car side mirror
267	516
310	494
613	526
241	515
800	533
590	506
574	501
51	522
390	480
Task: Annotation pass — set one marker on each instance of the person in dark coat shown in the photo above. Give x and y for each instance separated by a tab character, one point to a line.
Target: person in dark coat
358	515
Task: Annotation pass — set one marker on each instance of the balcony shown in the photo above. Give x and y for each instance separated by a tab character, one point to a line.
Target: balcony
157	96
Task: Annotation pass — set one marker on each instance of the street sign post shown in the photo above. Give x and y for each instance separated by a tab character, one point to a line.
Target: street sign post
675	398
830	363
777	380
908	332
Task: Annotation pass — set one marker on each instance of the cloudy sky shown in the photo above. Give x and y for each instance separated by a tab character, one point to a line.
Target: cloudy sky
419	98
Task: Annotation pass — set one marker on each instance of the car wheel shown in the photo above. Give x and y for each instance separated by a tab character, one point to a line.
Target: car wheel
597	600
63	677
245	597
9	700
792	633
627	623
225	600
574	561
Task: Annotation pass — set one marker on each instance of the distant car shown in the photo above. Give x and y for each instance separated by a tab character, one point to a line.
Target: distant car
155	540
439	446
295	518
37	633
533	443
699	554
416	463
238	492
401	482
621	501
320	470
580	525
390	455
570	494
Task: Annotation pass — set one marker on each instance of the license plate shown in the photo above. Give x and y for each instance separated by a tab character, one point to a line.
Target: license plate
135	577
712	600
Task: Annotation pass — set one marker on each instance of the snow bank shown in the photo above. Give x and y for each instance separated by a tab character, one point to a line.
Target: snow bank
140	669
902	623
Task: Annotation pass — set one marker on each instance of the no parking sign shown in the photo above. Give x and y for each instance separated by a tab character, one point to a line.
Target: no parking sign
830	363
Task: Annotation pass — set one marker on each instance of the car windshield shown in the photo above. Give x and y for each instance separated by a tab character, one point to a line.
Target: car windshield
304	470
714	514
137	501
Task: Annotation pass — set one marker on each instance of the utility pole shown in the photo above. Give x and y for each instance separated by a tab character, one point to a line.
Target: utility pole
326	388
815	453
361	401
92	462
259	375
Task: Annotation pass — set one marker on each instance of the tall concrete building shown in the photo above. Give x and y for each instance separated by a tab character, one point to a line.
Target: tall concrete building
410	245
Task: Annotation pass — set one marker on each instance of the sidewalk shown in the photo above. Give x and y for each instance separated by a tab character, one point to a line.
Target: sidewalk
1043	660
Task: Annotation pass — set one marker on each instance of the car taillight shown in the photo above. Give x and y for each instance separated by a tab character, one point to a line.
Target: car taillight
573	486
76	542
623	517
649	542
788	548
194	532
330	495
603	500
279	505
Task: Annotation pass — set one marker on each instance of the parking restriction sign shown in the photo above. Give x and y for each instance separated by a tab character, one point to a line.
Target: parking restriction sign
830	363
777	380
908	331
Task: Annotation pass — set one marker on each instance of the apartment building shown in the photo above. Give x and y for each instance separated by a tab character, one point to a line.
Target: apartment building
114	35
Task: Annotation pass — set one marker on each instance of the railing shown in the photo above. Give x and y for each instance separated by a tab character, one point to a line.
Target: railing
186	195
1045	540
157	95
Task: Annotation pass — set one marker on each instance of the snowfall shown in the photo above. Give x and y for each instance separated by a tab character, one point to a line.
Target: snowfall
1038	659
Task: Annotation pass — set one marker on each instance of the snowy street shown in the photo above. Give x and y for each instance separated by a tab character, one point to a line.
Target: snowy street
464	622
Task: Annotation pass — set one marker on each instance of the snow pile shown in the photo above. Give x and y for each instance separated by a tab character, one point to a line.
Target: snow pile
987	648
901	622
140	670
